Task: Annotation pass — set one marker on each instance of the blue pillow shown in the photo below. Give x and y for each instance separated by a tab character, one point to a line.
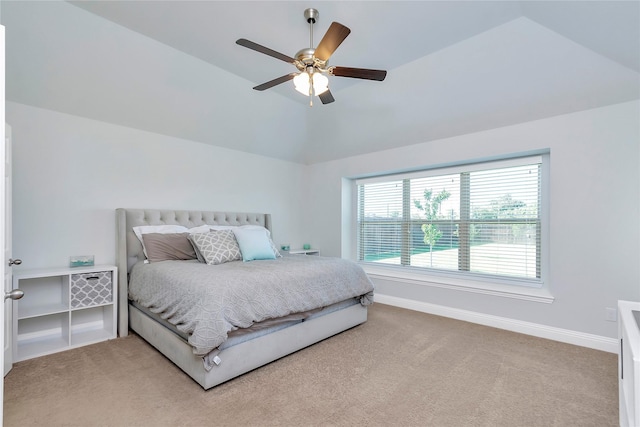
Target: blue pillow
254	244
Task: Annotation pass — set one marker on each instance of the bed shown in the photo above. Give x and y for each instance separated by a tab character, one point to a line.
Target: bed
211	363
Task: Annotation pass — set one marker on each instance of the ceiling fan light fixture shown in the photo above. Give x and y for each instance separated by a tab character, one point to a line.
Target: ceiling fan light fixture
302	83
320	83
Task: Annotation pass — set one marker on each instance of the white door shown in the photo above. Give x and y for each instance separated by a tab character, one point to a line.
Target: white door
8	276
2	211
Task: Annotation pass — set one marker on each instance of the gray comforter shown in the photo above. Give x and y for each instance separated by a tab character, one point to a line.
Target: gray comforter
208	301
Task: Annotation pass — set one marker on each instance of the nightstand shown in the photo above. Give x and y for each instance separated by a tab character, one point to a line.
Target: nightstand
63	308
305	251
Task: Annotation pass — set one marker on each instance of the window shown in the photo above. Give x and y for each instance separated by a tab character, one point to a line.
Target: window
473	220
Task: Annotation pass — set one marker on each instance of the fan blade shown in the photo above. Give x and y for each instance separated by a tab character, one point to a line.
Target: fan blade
359	73
331	40
275	82
265	50
326	97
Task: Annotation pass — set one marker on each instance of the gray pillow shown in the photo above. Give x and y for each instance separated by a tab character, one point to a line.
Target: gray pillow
216	247
172	246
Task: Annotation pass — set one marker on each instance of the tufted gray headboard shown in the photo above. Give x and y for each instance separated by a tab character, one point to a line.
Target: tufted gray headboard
129	248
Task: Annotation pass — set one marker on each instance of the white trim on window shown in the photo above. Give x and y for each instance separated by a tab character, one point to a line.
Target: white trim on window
497	287
468	167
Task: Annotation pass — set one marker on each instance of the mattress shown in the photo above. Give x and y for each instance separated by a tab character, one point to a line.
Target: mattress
208	302
258	329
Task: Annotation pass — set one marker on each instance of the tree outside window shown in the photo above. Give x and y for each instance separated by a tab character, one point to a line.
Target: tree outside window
431	208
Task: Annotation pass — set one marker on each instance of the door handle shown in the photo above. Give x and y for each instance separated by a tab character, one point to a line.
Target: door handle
14	262
14	294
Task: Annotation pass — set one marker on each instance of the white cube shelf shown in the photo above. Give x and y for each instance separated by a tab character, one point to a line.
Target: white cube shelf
63	308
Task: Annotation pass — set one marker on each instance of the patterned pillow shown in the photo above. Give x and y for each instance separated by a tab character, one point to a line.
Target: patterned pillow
217	247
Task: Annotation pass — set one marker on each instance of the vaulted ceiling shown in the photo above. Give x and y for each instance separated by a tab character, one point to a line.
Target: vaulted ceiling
454	67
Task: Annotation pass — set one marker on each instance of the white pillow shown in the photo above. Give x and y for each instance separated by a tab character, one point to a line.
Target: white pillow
199	229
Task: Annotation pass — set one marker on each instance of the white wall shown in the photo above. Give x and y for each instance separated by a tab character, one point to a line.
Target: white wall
71	173
594	208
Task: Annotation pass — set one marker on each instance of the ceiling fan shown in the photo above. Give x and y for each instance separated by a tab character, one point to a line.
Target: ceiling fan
312	64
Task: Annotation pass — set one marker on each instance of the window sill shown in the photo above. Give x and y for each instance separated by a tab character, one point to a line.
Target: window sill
445	281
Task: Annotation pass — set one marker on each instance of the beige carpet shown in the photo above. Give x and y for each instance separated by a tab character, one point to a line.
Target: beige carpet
401	368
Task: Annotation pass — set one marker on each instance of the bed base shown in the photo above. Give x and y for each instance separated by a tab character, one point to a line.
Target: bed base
248	355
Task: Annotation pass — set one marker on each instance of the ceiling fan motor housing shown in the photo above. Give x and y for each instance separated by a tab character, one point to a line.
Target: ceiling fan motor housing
306	56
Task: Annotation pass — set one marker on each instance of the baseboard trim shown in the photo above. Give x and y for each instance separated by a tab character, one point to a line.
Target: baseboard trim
582	339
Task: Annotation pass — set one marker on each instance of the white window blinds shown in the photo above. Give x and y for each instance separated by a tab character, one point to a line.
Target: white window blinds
474	219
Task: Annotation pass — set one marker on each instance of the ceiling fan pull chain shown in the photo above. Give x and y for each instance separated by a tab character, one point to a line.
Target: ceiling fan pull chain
310	90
